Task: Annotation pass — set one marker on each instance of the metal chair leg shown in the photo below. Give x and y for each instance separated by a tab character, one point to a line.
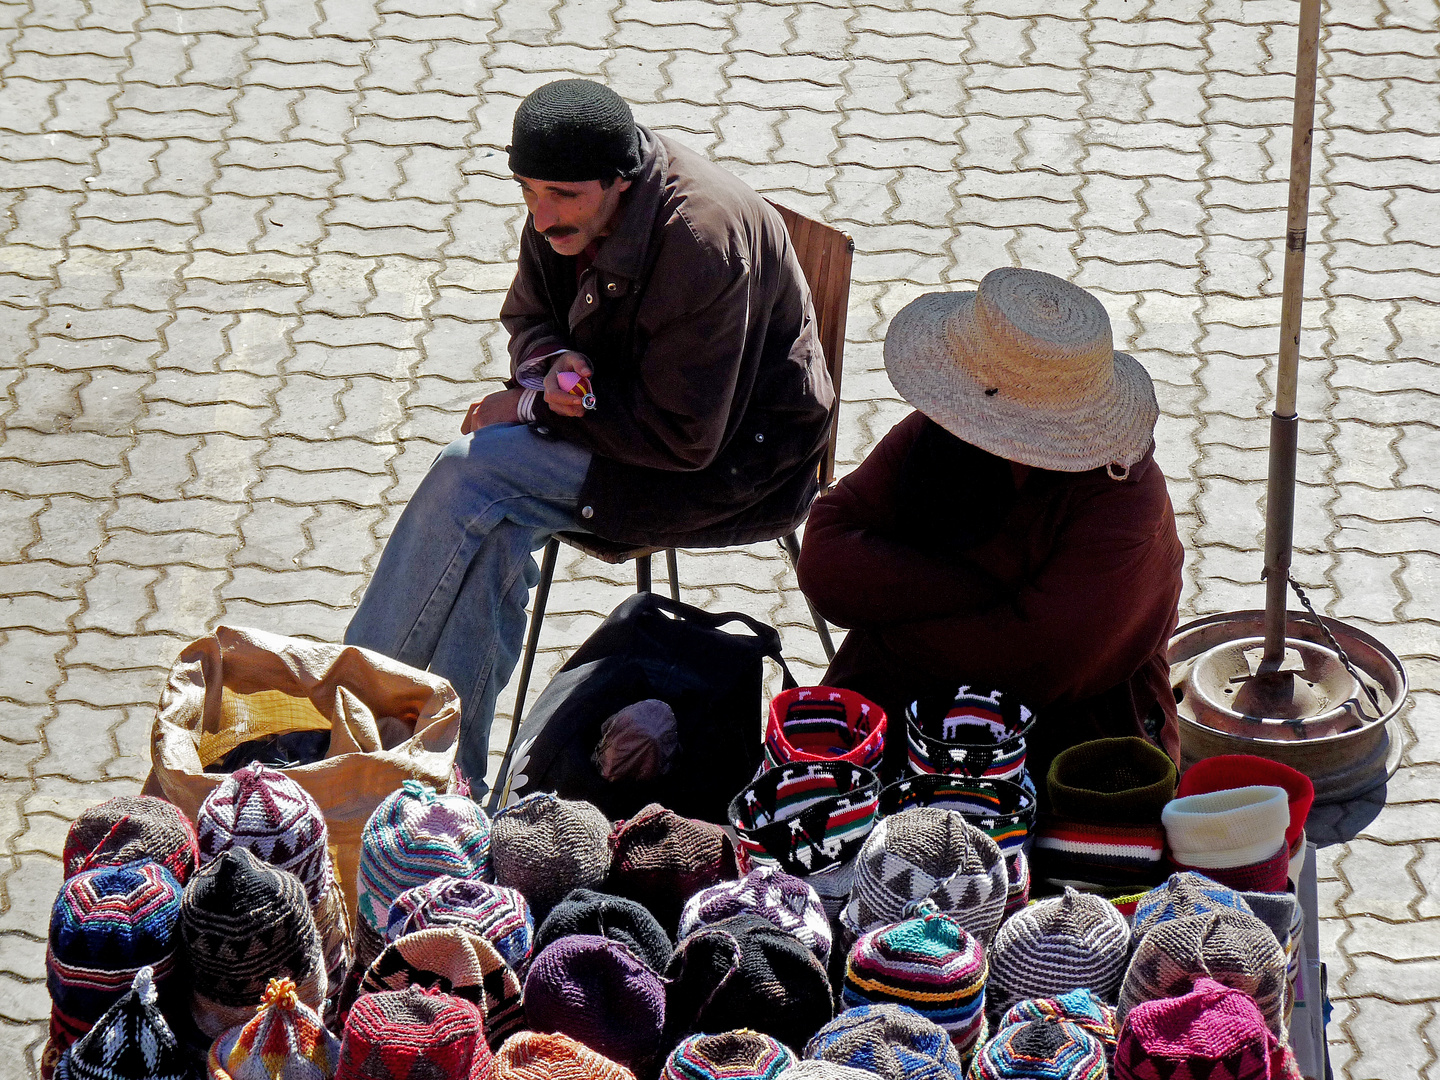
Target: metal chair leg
642	574
532	640
672	566
791	544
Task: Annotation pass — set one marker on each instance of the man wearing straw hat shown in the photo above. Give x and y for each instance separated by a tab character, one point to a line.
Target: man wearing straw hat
1015	531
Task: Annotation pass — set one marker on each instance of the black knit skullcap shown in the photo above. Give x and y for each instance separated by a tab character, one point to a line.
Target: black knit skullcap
584	911
574	130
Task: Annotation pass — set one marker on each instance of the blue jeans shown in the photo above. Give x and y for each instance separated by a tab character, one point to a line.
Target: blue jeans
454	580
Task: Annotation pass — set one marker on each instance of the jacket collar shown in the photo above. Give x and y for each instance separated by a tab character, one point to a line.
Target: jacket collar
624	251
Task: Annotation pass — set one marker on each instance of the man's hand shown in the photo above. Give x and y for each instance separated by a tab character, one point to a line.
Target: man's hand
559	401
500	407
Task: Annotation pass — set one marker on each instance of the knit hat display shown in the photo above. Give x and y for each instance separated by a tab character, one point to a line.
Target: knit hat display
928	853
1188	893
545	846
130	827
242	923
1017	889
1213	1032
1244	770
106	924
571	131
1235	836
531	1055
1002	809
599	992
928	963
891	1041
662	859
815	1069
454	961
1072	941
821	723
1041	1050
498	914
414	1034
745	972
1104	828
612	917
130	1041
729	1055
785	900
810	819
1079	1007
284	1040
1230	947
977	731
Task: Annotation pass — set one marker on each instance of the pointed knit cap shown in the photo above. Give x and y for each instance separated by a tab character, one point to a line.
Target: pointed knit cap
131	827
1183	894
785	900
284	1040
891	1041
729	1055
1078	1007
1073	941
531	1055
1041	1050
131	1041
545	846
626	921
494	912
413	1034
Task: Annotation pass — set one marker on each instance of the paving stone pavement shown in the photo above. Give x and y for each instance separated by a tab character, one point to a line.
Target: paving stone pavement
253	251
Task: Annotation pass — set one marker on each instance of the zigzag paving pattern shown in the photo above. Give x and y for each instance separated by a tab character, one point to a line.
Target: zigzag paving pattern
253	251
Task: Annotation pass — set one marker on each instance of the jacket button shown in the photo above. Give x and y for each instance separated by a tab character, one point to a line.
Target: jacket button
587	512
589	298
759	437
542	429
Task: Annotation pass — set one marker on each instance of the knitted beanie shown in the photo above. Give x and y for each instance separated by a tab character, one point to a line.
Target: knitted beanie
1041	1050
454	961
816	1069
662	859
574	130
546	846
787	901
1072	941
131	1041
531	1055
243	923
130	827
928	963
928	853
891	1041
613	917
977	731
284	1040
730	1055
498	914
1017	890
1212	1031
107	924
601	993
821	723
1236	836
1079	1007
1230	947
407	1034
1244	770
1189	893
1002	809
745	972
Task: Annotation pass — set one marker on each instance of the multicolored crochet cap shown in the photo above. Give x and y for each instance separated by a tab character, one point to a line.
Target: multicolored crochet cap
131	1041
1041	1050
977	731
785	900
1079	1007
499	914
414	1034
729	1055
128	828
1002	809
285	1040
532	1055
615	917
545	846
1073	941
892	1041
661	859
821	723
1188	893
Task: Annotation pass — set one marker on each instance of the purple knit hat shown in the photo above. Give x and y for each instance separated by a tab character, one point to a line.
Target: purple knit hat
498	914
785	900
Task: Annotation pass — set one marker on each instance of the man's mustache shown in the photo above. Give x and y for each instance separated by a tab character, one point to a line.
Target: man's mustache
559	232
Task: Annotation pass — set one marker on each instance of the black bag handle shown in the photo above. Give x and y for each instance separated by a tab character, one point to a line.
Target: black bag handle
768	636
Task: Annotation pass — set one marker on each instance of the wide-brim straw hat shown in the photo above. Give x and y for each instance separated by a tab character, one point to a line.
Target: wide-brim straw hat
1026	369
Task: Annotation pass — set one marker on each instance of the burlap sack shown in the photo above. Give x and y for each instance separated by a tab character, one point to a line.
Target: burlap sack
388	723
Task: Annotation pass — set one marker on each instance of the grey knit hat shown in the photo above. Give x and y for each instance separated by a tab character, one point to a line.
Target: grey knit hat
892	1041
1069	942
923	853
1180	895
818	1069
545	846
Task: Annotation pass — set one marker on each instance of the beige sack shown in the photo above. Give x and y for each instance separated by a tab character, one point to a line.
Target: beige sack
388	723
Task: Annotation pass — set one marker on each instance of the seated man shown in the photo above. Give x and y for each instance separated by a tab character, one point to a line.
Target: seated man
1015	532
673	289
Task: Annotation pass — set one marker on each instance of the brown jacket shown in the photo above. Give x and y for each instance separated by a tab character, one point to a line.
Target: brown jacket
1070	603
712	396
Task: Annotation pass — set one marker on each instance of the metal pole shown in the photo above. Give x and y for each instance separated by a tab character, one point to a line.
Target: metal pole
1284	422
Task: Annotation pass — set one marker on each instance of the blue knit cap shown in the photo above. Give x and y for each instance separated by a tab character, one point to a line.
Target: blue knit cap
892	1041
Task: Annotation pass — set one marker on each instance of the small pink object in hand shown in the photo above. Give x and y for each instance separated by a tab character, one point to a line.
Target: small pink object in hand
577	385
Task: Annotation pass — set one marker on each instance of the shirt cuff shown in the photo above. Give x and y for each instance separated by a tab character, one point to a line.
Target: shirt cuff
525	408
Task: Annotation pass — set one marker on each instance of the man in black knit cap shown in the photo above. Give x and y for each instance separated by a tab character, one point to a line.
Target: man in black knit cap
671	290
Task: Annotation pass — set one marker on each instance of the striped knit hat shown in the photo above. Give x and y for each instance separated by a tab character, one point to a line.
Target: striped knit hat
821	723
498	914
131	1041
1073	941
1188	893
1235	836
662	859
130	827
1213	1032
413	1034
928	963
1228	946
243	923
1079	1007
546	846
284	1040
454	961
730	1055
1041	1050
107	924
613	917
1002	809
977	731
928	853
891	1041
531	1055
816	1069
787	901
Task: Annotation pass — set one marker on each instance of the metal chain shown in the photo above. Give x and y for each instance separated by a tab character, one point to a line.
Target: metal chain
1339	651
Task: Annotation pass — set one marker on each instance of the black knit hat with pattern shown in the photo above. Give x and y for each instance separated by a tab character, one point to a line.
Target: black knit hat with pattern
574	130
